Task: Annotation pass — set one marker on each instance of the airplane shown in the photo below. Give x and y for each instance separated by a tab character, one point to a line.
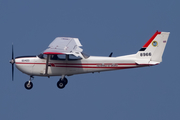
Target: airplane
65	57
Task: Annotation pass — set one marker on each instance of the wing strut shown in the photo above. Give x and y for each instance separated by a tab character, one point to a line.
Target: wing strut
47	62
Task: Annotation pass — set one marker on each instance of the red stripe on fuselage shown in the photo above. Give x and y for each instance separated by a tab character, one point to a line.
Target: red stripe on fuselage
80	63
97	67
87	65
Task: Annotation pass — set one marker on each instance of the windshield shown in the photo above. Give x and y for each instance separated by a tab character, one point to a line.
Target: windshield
41	56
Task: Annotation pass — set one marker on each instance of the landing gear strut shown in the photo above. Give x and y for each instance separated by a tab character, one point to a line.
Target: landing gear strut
62	83
28	85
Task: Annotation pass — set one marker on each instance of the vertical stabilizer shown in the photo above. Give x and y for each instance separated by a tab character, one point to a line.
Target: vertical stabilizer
153	50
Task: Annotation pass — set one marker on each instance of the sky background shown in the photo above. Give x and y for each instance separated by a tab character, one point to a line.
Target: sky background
102	26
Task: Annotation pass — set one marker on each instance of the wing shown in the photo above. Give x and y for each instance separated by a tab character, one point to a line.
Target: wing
64	45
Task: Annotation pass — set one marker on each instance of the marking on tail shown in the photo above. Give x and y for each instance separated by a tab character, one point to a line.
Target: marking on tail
149	41
153	49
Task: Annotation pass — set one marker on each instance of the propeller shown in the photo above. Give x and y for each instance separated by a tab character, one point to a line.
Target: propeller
12	61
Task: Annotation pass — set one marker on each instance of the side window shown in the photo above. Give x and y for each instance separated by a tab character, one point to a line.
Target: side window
58	57
72	57
62	57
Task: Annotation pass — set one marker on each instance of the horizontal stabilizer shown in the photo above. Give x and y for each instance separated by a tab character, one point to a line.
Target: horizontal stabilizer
146	62
140	62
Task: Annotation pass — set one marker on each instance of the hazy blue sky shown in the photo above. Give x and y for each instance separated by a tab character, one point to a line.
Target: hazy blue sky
119	26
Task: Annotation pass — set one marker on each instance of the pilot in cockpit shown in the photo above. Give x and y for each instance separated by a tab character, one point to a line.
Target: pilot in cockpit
54	57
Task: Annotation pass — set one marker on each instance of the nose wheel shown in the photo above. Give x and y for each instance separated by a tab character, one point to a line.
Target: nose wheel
28	85
62	83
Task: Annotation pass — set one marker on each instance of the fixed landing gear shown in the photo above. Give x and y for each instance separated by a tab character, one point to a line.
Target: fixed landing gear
28	85
62	83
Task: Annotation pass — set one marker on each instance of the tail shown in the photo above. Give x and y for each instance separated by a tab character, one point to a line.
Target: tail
152	51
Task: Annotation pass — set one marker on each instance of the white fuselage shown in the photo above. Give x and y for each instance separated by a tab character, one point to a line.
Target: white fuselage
35	66
64	57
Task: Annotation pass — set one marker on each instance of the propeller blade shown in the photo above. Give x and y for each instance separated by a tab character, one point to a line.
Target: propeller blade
12	72
12	61
12	52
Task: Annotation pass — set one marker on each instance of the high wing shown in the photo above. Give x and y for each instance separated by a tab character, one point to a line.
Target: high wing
64	45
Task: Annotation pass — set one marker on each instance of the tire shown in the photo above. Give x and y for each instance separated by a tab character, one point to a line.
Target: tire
65	81
28	85
61	84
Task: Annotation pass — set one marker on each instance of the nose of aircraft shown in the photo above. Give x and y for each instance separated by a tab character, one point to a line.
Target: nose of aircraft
25	64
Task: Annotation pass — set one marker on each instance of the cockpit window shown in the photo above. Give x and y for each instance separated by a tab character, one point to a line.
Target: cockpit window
53	57
42	56
64	56
58	57
73	57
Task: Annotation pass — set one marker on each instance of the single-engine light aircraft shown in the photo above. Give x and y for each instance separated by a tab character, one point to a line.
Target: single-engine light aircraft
64	57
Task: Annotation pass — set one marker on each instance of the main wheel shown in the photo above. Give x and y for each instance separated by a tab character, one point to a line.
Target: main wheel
28	85
64	80
61	84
